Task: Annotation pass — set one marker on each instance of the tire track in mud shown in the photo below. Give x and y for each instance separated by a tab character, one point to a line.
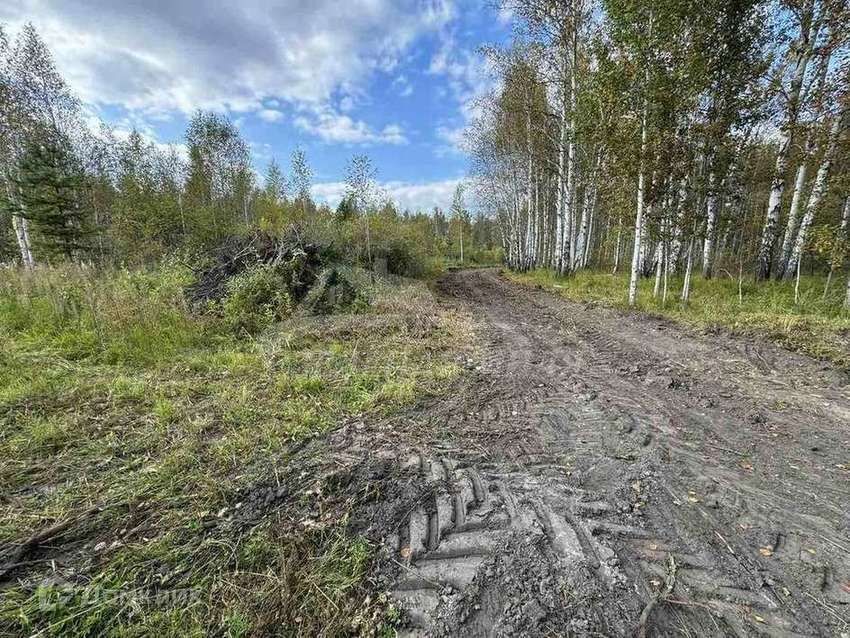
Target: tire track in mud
564	439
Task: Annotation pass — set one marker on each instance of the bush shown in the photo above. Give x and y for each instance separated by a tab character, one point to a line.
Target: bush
255	299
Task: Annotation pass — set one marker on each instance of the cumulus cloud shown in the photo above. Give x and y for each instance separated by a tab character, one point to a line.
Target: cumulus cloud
407	195
164	56
334	127
270	115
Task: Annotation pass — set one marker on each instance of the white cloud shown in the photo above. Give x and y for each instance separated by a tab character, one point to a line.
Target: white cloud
239	57
270	115
403	85
393	134
411	196
334	127
454	137
346	104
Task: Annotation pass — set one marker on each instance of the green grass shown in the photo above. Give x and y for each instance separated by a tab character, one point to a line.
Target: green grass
112	393
815	326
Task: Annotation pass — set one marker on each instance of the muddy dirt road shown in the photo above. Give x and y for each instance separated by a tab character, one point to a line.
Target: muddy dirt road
610	474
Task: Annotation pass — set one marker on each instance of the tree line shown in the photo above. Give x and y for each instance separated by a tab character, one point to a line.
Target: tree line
70	190
670	137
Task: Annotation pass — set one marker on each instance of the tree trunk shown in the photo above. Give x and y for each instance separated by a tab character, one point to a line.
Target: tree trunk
586	212
636	253
808	35
617	247
21	226
818	191
561	213
659	267
686	285
676	243
710	224
793	215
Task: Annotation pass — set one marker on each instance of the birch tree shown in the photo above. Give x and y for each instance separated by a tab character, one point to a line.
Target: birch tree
459	215
799	54
819	188
360	189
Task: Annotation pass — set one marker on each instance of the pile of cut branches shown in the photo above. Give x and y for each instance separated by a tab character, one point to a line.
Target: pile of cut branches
299	262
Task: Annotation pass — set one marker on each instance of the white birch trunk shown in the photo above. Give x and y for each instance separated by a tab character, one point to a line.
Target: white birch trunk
818	191
586	212
636	253
710	224
617	248
793	215
560	215
21	226
571	158
676	242
589	240
768	239
659	265
686	286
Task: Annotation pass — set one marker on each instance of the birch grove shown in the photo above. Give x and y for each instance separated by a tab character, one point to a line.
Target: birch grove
667	133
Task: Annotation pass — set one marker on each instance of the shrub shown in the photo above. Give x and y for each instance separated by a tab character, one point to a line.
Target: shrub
255	299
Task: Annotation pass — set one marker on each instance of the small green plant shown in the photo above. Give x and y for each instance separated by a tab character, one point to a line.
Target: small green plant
256	299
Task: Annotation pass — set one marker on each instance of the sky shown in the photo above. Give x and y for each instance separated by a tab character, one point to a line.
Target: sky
394	79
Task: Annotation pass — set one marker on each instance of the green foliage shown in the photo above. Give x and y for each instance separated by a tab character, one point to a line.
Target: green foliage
51	187
255	299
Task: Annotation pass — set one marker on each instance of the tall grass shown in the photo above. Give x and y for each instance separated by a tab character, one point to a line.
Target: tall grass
120	316
113	393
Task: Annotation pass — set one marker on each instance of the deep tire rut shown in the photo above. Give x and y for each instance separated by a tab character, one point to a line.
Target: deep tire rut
471	515
594	456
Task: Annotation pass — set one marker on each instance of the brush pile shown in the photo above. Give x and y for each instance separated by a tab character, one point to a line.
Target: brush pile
297	265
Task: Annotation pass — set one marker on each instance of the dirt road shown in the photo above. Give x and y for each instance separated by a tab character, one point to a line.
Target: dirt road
602	473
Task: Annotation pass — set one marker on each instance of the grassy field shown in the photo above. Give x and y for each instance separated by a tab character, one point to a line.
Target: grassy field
140	426
814	325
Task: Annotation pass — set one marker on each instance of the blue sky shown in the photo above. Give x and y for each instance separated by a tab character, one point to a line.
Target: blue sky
396	79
